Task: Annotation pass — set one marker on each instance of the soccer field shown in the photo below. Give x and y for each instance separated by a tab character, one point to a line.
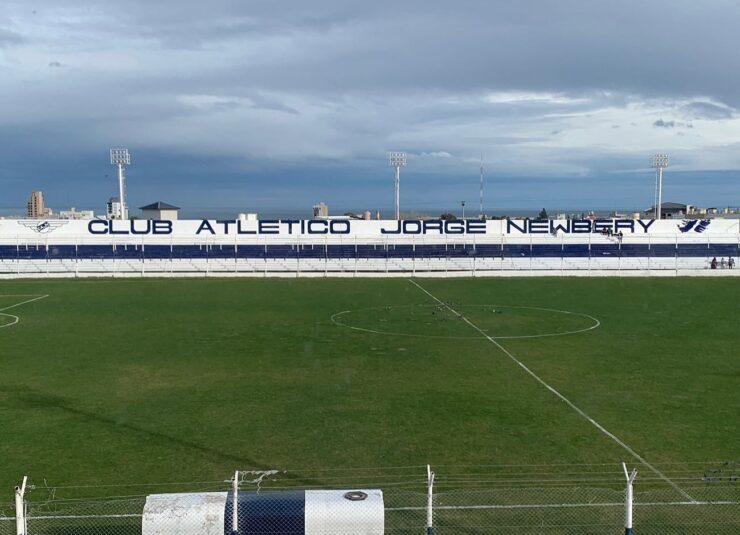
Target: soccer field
135	381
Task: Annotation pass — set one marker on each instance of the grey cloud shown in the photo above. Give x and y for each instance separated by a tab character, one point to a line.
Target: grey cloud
274	104
352	79
660	123
708	110
9	38
337	46
55	64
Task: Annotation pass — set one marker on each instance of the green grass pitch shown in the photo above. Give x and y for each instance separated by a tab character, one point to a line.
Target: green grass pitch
134	381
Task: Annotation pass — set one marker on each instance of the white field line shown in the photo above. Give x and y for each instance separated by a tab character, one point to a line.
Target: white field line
23	302
580	412
556	505
437	508
19	295
596	324
80	517
16	319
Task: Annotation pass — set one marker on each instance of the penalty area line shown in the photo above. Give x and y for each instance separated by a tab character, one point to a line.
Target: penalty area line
23	302
15	319
570	404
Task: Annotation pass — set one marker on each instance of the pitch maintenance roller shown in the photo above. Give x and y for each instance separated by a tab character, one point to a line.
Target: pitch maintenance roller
310	512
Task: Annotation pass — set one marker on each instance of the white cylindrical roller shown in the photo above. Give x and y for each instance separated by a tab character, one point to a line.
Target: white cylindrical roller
341	512
196	514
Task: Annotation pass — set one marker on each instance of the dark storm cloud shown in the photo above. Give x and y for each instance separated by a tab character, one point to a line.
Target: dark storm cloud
568	88
656	48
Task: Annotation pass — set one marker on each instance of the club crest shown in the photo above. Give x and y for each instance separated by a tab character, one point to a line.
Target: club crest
697	225
42	226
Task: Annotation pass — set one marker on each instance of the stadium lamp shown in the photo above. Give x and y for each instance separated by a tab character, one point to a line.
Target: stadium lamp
398	160
121	158
659	162
480	214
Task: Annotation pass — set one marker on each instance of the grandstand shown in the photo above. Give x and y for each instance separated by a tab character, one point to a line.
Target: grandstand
289	247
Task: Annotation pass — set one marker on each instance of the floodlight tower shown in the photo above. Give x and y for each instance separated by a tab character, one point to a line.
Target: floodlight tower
121	158
480	215
659	162
398	160
462	204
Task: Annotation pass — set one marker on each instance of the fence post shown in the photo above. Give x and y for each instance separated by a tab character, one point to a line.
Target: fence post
430	504
20	509
235	504
630	477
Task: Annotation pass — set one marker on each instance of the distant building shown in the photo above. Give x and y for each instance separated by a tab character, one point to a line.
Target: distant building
35	205
113	208
247	217
671	209
159	210
76	214
321	211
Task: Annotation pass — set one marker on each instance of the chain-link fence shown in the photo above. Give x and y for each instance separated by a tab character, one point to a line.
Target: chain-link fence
7	519
397	506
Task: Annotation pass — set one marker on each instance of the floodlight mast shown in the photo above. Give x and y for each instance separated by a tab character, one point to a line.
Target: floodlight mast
398	160
121	158
659	162
480	215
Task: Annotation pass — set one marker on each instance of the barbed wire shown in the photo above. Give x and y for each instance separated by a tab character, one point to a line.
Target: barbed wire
414	476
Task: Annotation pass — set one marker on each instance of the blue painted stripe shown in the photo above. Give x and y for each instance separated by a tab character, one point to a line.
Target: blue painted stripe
320	251
267	513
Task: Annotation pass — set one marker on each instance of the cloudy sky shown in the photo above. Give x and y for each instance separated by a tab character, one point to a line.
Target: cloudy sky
269	104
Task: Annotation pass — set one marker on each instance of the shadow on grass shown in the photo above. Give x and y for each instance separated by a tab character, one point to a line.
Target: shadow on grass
22	397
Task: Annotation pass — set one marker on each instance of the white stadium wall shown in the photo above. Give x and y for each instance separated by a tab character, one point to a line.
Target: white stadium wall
43	248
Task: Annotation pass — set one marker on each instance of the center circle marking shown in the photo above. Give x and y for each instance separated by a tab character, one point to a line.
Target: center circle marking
337	320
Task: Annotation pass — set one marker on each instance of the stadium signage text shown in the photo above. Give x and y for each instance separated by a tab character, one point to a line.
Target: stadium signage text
577	226
223	227
274	226
406	227
435	226
134	226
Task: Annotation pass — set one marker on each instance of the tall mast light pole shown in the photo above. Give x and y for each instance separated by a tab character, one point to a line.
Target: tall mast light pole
121	158
398	160
481	186
659	162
